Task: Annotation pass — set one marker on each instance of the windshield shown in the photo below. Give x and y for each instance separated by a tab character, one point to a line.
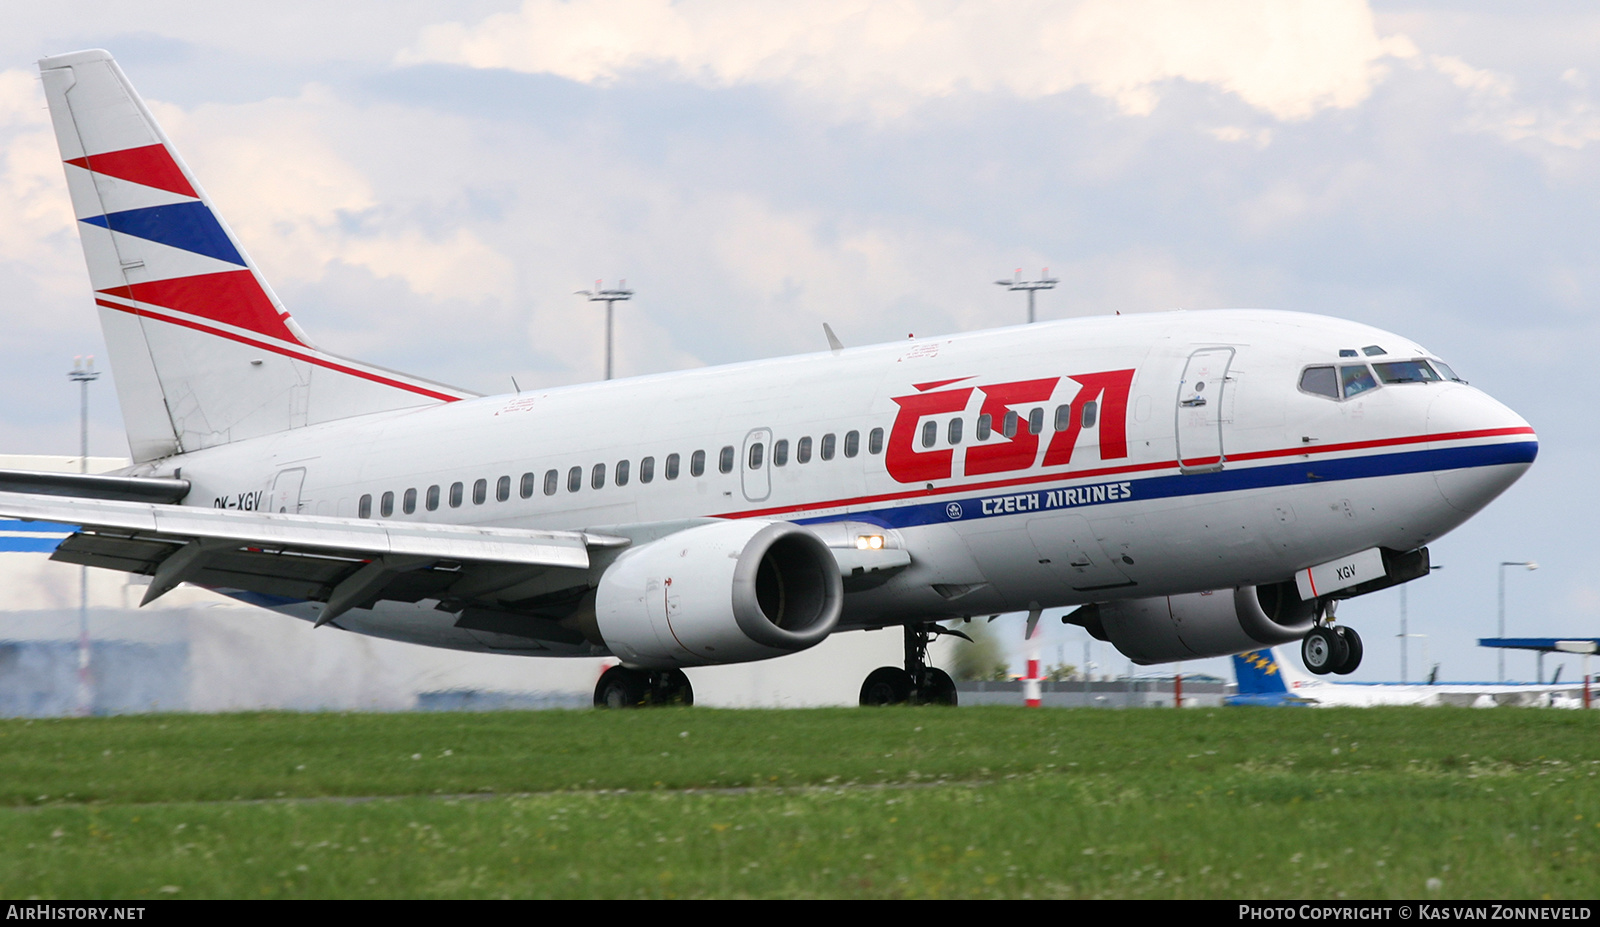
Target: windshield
1412	371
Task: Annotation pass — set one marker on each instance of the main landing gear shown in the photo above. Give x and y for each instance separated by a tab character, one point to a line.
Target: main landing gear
1331	648
622	687
918	683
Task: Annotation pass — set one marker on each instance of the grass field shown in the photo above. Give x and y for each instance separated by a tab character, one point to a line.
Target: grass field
929	803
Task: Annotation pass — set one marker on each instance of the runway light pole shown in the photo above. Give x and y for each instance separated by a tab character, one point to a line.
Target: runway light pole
1501	656
83	373
609	297
1016	283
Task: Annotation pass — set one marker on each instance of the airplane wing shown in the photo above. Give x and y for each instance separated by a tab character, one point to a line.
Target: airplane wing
345	562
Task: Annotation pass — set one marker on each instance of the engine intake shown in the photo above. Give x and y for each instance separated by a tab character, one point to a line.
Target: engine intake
1203	624
728	592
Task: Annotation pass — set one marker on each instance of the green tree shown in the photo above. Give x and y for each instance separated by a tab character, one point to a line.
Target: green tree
982	658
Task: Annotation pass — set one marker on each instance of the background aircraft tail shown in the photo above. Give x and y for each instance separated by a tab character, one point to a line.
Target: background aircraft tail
202	351
1264	679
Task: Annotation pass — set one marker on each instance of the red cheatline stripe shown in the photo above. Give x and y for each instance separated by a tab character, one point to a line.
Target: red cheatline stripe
279	349
1101	472
232	297
151	165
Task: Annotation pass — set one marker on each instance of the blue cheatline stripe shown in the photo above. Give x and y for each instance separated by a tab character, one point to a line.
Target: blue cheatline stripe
29	545
189	226
40	527
1298	473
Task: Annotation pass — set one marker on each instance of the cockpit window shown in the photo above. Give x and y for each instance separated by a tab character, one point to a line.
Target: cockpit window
1356	379
1414	371
1321	381
1348	352
1373	350
1446	372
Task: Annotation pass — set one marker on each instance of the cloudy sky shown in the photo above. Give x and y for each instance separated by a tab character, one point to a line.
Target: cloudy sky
426	184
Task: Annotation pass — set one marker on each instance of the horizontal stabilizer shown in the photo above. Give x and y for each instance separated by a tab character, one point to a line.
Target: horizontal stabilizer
94	486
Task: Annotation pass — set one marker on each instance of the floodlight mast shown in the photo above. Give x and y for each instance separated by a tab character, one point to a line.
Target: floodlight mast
83	373
1045	282
609	297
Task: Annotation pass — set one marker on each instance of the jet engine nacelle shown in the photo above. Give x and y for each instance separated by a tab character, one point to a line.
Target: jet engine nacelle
721	593
1203	624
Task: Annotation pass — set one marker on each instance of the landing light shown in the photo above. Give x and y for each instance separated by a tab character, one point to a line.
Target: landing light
869	542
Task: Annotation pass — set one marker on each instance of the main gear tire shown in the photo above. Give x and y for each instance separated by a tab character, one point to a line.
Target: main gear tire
886	685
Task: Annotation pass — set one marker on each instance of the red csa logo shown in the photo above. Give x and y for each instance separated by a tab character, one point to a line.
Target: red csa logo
907	464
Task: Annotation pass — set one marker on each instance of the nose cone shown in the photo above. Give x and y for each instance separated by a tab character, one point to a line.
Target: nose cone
1482	445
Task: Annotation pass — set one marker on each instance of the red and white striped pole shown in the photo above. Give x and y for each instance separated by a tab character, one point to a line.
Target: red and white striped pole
1032	695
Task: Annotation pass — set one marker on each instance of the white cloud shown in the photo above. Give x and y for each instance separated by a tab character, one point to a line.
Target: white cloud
1496	109
1288	59
297	204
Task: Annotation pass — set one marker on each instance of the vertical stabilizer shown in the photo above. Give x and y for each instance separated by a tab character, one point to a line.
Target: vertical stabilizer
202	351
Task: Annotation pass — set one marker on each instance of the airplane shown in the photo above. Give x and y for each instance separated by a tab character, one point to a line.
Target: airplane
1198	483
1266	678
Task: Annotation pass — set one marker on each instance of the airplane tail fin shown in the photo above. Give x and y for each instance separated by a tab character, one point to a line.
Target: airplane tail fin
1259	673
202	351
1265	678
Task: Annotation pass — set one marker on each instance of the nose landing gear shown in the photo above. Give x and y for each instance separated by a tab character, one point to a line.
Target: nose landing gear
918	683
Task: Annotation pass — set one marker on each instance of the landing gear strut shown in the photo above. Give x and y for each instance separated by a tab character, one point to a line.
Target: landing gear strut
1331	648
918	683
622	687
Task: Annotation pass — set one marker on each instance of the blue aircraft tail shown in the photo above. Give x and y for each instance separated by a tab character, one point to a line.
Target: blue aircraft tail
1260	680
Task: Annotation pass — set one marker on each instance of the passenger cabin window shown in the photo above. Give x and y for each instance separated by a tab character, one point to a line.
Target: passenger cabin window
408	503
529	483
954	431
1008	426
802	451
672	466
574	479
1036	421
433	497
622	472
1091	413
725	459
780	453
364	507
1356	379
597	476
985	427
552	482
386	507
875	441
1320	381
852	443
480	492
757	452
829	442
1063	417
697	463
647	469
930	433
502	489
456	489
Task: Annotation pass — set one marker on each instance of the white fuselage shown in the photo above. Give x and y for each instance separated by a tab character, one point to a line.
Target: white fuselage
1138	483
